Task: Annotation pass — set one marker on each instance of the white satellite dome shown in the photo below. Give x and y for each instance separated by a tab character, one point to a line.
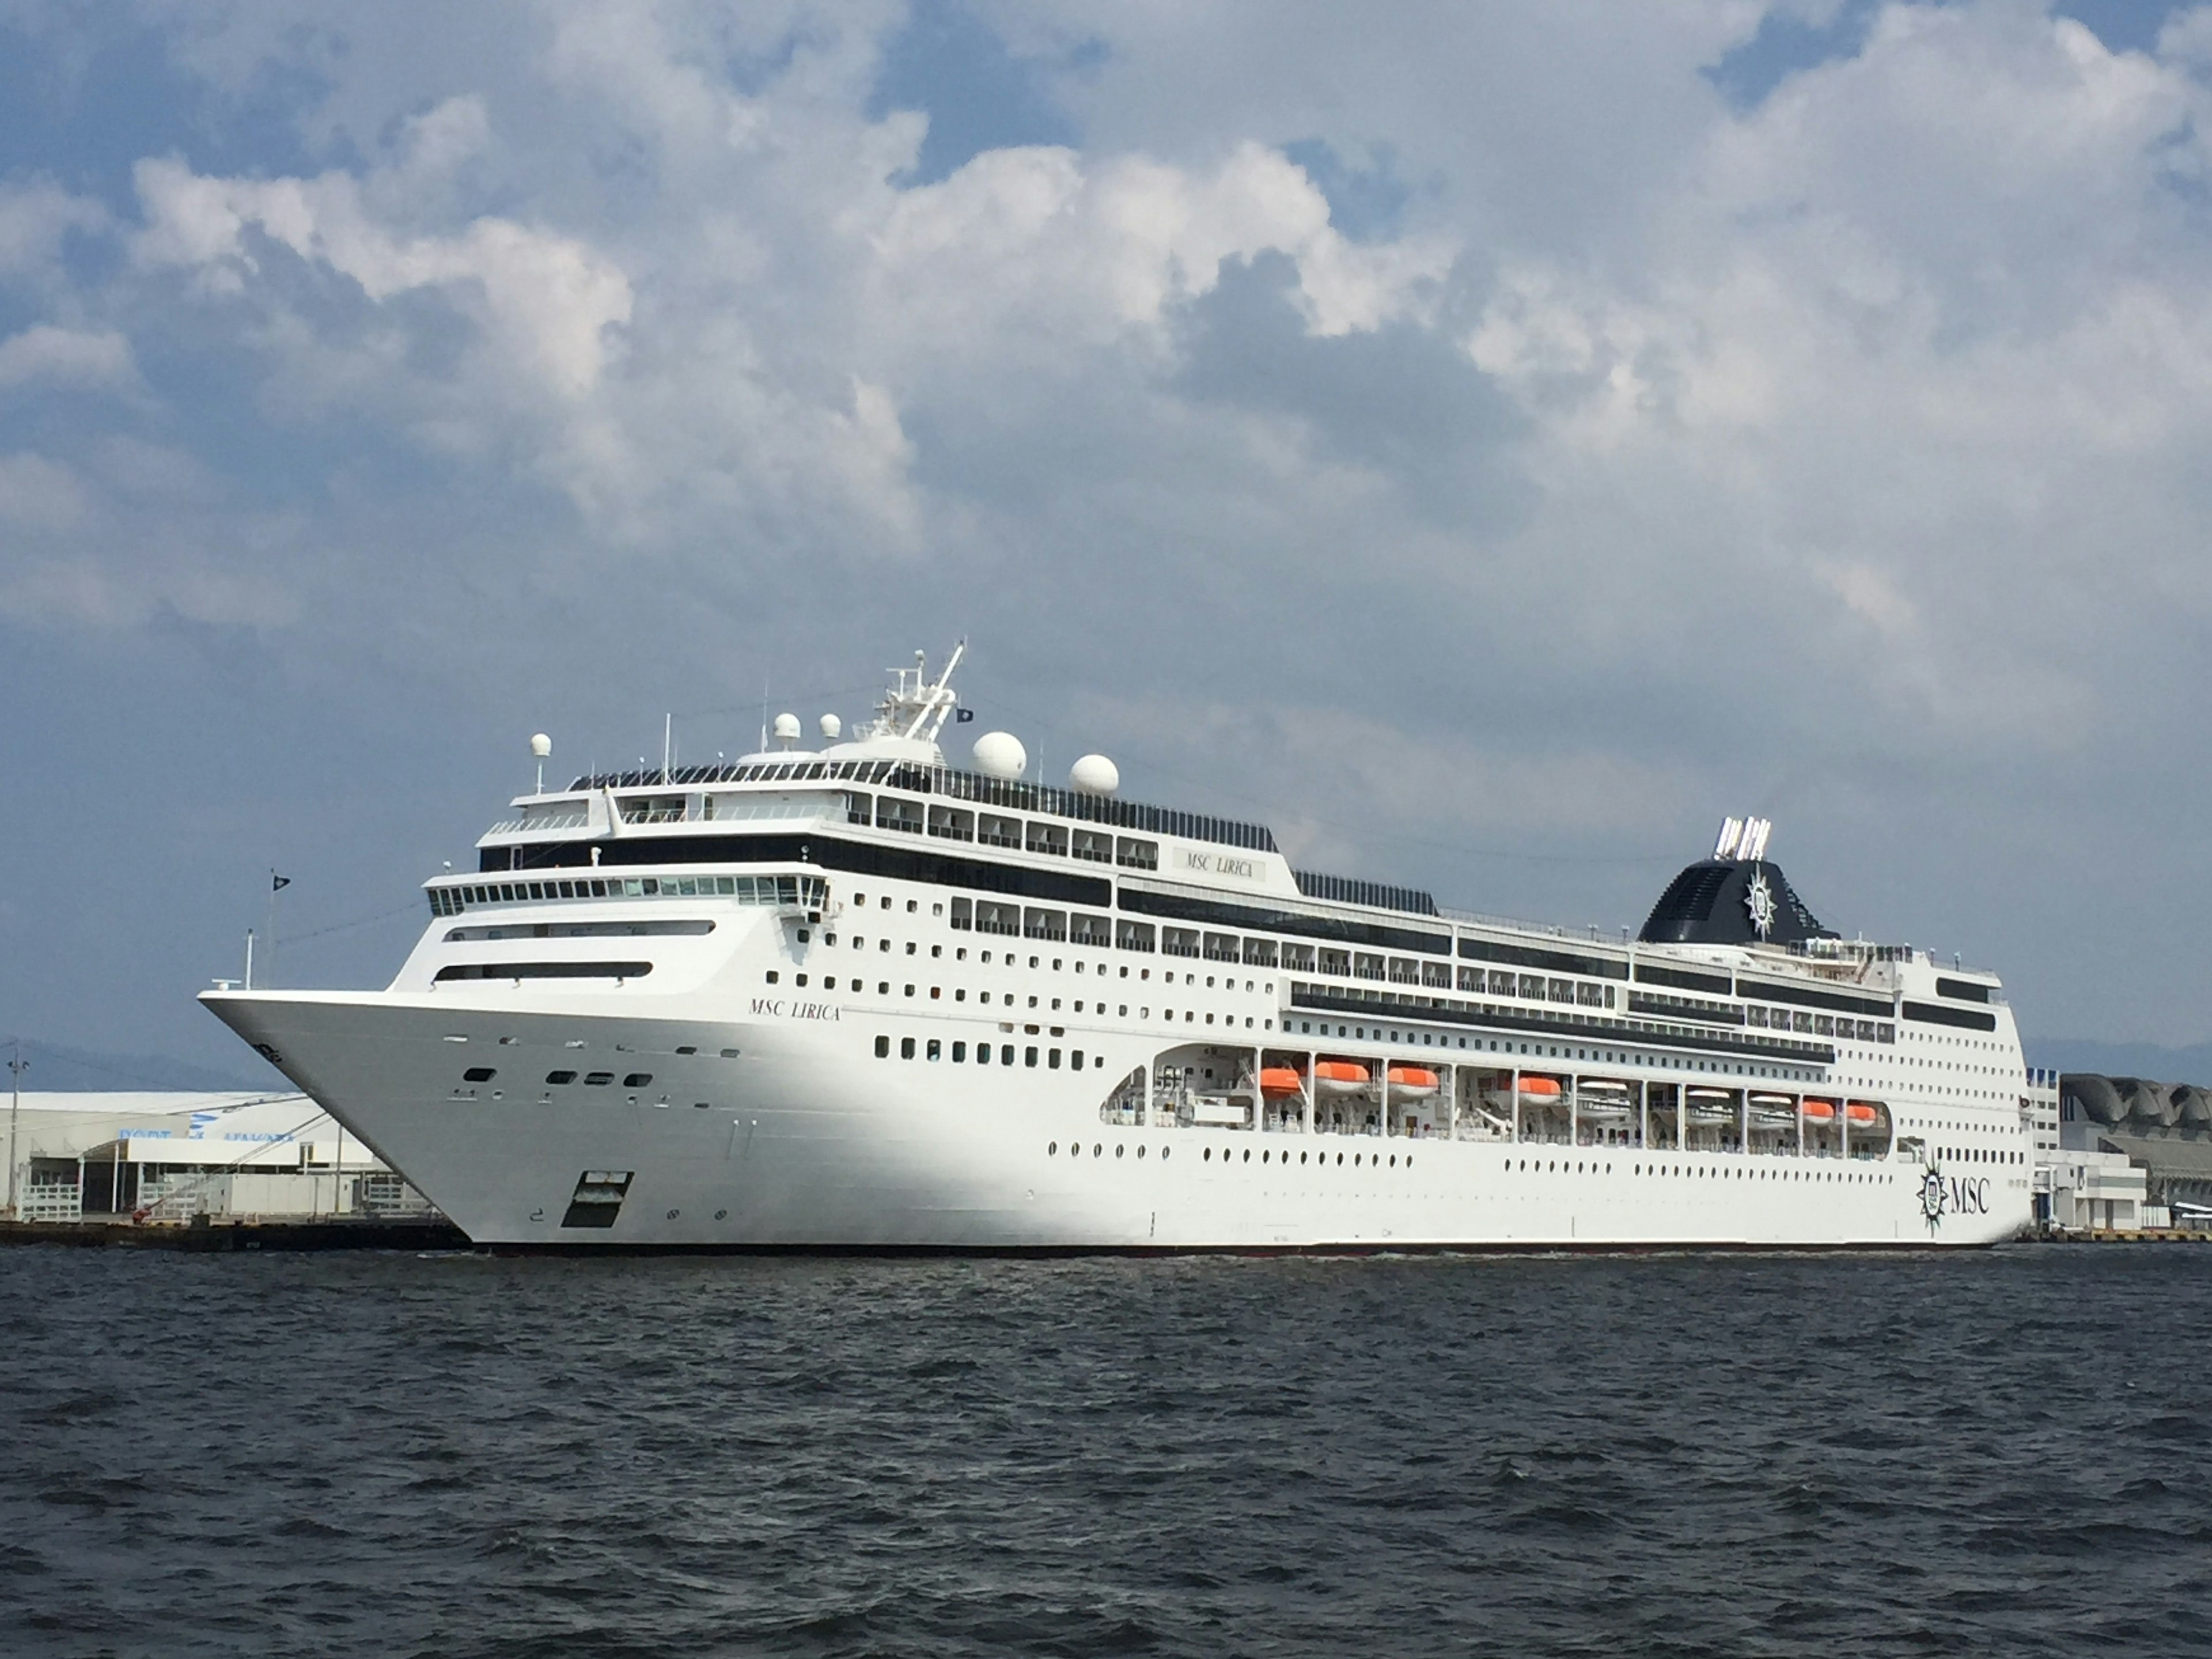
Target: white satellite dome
787	728
1000	754
832	728
541	745
1094	774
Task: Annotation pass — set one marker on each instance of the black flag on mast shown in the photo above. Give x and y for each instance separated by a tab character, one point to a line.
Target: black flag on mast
277	883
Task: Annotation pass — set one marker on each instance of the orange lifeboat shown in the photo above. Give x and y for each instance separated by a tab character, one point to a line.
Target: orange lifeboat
1540	1088
1863	1111
1276	1082
1410	1082
1819	1111
1339	1076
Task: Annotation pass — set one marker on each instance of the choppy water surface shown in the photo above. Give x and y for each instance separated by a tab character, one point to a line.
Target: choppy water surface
372	1454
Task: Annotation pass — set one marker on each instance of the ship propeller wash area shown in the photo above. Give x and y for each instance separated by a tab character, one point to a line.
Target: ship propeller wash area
158	1157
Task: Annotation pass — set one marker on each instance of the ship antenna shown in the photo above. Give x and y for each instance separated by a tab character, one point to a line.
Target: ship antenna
936	701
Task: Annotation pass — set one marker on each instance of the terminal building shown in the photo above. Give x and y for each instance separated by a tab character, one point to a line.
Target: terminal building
173	1157
2124	1153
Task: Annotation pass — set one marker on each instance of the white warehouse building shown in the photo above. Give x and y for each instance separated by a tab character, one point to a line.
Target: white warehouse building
169	1157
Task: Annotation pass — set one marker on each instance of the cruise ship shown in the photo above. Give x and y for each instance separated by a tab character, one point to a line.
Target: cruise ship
856	997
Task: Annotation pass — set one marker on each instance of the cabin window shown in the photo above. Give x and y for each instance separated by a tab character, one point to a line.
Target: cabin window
1028	1057
935	1050
1006	1054
637	1079
479	1074
1134	936
1089	930
1134	855
1044	924
963	915
906	1048
1532	987
894	812
1179	941
883	1050
951	824
1260	953
959	1052
1096	845
560	1077
993	831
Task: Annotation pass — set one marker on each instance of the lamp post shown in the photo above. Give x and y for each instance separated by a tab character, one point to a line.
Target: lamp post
16	1067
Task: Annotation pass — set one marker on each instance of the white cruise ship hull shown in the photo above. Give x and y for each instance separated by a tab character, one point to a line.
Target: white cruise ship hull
803	1139
857	999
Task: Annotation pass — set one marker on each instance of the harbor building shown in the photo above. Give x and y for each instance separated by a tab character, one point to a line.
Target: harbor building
2130	1152
164	1156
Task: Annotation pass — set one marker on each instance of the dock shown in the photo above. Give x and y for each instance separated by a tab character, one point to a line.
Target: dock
226	1233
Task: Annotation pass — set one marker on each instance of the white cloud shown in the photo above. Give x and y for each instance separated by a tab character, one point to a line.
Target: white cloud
547	301
39	494
36	217
44	355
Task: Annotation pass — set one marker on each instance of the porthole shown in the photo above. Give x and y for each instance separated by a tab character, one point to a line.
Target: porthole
1302	1158
1141	1151
479	1074
1052	1149
1355	1160
1247	1154
1208	1155
672	1214
637	1079
721	1215
560	1077
1119	1148
1393	1160
1098	1151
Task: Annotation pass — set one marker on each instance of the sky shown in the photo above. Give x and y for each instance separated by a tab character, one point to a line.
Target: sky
1488	444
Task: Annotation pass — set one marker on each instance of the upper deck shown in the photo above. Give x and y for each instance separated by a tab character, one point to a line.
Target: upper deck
1022	859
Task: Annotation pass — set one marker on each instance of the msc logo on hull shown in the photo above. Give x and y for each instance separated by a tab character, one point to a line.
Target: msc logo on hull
1956	1196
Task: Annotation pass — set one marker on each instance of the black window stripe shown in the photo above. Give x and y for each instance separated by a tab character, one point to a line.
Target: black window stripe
856	857
1176	907
1717	985
1554	1027
1559	962
545	970
1970	1019
1760	990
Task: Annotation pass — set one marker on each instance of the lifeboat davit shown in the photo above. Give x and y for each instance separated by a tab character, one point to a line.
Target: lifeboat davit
1339	1076
1710	1105
1819	1111
1410	1082
1277	1082
1601	1097
1772	1109
1863	1111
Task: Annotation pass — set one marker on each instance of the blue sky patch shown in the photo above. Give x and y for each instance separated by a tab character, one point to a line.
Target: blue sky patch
1368	203
953	66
